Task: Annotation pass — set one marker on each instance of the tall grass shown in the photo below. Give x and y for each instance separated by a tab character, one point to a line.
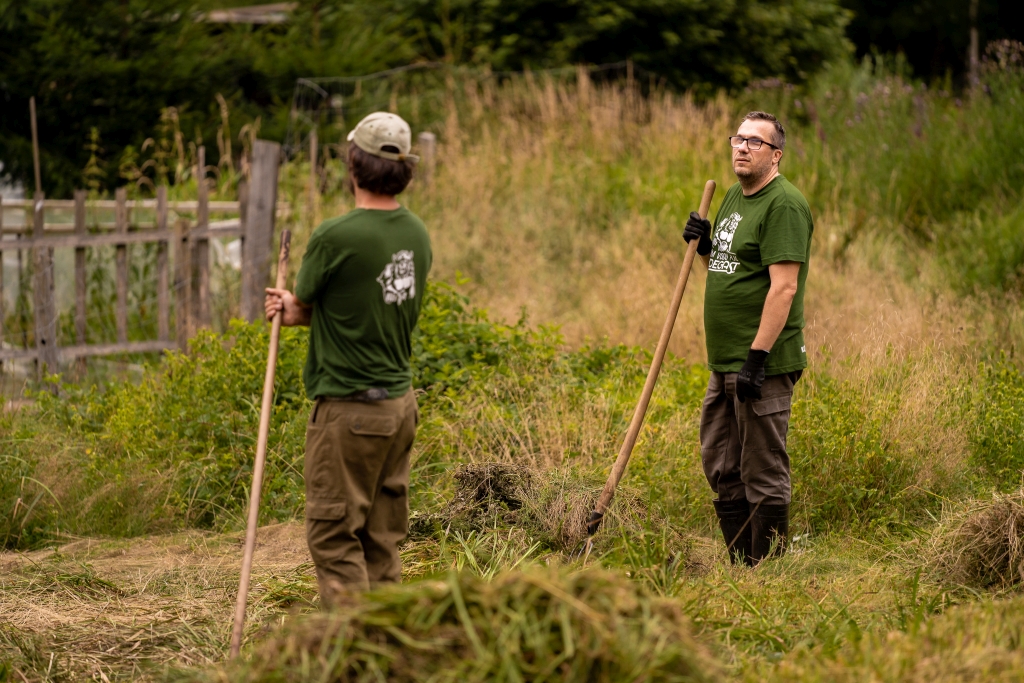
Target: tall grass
561	202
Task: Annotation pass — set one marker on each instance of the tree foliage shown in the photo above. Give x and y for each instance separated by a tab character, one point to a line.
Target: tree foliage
106	65
933	35
695	44
115	65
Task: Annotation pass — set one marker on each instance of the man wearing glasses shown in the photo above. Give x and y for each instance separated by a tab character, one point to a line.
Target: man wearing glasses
757	255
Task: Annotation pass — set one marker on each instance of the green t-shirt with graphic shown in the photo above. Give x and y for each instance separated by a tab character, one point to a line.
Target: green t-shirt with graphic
750	234
364	274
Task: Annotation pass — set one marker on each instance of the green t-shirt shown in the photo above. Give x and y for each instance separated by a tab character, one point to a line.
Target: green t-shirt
752	233
364	273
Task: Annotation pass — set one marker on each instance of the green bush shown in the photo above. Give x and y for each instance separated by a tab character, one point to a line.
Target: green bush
997	439
176	449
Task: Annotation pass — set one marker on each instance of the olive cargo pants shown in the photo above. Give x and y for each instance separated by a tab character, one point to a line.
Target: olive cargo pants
357	490
743	445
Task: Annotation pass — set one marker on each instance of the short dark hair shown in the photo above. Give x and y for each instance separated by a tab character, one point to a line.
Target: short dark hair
780	132
373	174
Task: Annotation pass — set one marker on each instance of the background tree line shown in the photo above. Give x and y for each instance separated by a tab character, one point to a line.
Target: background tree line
115	66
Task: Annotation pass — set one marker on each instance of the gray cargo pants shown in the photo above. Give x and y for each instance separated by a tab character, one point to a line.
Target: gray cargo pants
743	445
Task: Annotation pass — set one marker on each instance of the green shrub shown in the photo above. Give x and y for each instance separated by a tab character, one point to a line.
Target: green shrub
176	449
997	437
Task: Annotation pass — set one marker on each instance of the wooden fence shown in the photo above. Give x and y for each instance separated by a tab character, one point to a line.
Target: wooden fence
256	209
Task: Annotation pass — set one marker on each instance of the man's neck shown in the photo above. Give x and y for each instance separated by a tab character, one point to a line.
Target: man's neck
759	183
374	201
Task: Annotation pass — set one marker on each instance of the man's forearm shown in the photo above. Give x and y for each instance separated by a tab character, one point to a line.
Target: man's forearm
303	316
773	318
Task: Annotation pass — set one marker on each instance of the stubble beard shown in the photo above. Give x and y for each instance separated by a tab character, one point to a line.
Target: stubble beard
753	173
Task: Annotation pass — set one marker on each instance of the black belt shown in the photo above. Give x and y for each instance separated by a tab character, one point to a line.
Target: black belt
365	396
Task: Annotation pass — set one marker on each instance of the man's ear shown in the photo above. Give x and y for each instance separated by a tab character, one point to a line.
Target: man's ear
778	156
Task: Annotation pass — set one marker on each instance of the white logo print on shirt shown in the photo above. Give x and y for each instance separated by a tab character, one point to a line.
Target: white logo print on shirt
399	278
722	259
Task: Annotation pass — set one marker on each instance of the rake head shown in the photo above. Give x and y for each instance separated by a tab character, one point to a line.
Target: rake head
583	551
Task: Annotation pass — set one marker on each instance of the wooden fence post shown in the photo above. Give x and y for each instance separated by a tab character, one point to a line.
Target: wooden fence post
243	205
45	311
182	283
121	264
314	181
428	151
201	249
163	306
258	234
81	313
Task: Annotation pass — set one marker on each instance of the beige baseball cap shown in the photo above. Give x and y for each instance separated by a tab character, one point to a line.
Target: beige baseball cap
382	129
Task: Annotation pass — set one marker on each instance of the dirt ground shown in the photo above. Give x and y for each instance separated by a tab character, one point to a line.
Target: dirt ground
126	609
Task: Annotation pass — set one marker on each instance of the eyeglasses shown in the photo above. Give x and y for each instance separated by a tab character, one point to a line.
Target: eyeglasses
753	143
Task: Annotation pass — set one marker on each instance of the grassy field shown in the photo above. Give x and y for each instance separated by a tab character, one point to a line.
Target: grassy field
556	213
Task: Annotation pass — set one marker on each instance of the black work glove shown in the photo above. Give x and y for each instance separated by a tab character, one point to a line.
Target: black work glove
751	377
698	228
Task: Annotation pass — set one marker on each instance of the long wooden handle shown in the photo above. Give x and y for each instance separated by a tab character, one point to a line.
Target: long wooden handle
605	499
261	454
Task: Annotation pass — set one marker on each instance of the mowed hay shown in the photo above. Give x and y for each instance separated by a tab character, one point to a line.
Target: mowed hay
982	543
554	505
485	494
567	500
540	625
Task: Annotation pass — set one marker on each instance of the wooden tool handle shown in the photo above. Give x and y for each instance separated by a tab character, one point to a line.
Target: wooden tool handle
605	499
261	453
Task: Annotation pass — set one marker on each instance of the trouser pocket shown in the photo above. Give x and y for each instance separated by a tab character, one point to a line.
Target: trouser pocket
327	510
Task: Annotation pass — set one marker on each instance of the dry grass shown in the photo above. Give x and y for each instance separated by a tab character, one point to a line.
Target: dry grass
115	610
566	200
522	179
551	505
916	349
505	422
981	543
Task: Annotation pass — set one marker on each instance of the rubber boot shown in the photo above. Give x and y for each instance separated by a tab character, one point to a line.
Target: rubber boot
769	526
734	519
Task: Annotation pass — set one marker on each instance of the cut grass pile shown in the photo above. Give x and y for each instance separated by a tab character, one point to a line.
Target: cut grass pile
552	505
980	543
533	625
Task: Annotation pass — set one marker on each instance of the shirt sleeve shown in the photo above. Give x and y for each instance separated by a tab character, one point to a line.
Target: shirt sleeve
785	235
313	272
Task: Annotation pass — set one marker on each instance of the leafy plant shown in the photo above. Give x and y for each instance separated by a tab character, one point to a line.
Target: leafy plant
997	442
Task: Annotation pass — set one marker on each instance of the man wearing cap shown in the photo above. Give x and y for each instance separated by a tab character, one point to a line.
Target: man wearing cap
757	256
359	290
